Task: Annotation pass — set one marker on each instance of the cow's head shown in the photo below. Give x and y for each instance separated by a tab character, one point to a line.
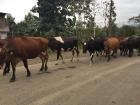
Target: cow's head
84	45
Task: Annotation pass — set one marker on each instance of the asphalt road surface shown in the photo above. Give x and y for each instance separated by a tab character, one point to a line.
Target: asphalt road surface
77	83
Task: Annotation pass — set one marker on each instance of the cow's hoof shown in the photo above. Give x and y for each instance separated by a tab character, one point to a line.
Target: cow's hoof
4	74
108	60
28	75
41	69
12	80
7	71
130	56
46	68
63	62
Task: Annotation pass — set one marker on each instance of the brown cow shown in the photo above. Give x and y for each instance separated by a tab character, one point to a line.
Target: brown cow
111	44
23	48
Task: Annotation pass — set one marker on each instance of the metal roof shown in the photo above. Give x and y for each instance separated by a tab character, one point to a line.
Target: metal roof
2	14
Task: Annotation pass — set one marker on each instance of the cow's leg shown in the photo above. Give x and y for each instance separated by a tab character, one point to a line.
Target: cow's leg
62	57
46	61
138	51
77	52
42	66
125	52
130	52
73	53
25	62
114	53
6	68
121	52
97	53
108	55
91	58
14	70
101	53
58	54
43	61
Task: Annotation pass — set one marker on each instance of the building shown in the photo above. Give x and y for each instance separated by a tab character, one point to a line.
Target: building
4	28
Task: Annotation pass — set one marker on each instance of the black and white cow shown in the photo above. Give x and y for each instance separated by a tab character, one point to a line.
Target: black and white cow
93	45
65	43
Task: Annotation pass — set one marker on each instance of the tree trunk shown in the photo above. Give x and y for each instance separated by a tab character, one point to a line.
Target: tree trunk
110	19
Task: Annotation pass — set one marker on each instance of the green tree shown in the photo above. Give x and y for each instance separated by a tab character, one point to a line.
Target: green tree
32	22
20	28
53	15
29	26
10	20
109	15
127	30
135	19
135	23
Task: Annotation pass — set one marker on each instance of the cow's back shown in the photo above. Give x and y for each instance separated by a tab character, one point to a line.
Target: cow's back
112	43
27	47
70	42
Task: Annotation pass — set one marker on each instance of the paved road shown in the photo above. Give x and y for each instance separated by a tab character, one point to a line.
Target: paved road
77	83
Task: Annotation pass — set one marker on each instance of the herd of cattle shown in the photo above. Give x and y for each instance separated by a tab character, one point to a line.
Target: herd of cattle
15	49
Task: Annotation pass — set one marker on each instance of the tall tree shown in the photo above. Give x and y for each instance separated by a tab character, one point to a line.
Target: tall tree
127	30
94	11
110	15
29	25
32	22
135	19
82	11
10	20
53	15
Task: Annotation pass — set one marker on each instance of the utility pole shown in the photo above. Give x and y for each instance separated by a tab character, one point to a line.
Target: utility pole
94	17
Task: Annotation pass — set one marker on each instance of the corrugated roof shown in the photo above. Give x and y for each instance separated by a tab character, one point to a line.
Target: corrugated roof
2	14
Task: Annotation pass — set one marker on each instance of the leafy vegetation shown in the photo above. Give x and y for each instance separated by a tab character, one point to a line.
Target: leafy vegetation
72	18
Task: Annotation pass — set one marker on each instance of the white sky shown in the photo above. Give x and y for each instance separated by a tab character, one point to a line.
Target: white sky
19	8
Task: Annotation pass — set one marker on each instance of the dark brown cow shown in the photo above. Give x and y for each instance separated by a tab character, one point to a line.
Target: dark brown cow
23	48
111	44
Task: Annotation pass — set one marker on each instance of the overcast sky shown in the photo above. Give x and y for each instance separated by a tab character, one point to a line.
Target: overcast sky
19	8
